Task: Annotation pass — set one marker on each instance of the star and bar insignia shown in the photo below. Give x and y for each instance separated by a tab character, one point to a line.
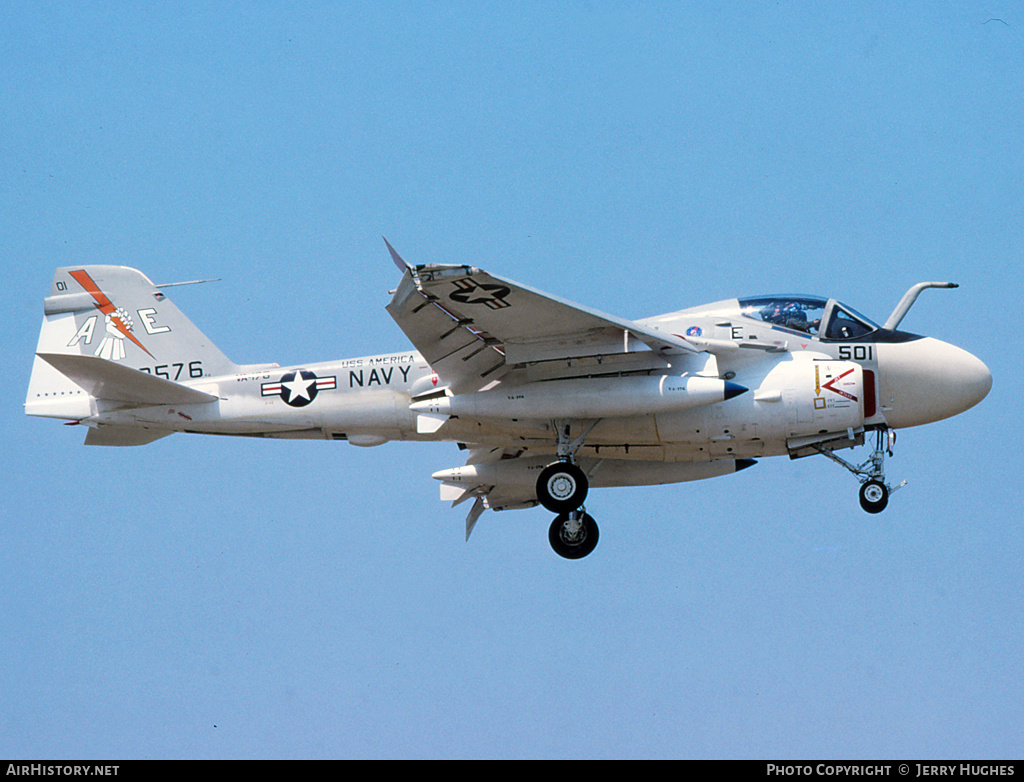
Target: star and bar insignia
490	295
298	388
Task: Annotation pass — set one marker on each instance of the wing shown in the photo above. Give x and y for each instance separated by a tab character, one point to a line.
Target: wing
473	328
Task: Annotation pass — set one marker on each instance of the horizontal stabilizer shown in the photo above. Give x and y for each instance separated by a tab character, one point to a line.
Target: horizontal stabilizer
113	382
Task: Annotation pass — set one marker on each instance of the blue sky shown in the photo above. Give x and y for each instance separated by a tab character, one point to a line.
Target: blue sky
223	598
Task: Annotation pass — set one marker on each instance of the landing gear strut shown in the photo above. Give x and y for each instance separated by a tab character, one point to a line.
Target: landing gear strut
562	488
874	491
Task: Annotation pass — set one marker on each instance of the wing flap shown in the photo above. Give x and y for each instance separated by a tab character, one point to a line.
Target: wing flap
112	382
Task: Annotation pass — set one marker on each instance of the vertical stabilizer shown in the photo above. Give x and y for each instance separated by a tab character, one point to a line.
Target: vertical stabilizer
116	314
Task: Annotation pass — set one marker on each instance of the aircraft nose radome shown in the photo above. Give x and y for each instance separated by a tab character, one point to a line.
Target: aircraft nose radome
971	379
928	380
977	380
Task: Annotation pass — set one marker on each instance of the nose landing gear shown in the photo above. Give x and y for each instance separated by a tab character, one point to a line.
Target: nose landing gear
874	491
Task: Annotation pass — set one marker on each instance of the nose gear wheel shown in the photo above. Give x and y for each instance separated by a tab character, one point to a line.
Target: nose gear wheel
874	496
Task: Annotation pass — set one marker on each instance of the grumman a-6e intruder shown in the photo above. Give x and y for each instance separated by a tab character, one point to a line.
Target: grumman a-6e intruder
548	398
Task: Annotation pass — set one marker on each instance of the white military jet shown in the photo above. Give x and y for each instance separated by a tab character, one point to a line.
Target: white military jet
548	398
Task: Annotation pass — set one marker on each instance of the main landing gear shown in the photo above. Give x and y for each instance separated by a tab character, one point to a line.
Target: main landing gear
562	488
573	535
874	491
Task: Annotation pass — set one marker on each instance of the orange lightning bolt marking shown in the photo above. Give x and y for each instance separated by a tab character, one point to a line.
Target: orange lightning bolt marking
104	305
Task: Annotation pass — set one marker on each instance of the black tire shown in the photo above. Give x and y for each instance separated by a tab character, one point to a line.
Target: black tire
575	547
874	496
562	487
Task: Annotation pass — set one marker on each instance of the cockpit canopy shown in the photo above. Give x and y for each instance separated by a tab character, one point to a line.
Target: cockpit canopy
806	314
